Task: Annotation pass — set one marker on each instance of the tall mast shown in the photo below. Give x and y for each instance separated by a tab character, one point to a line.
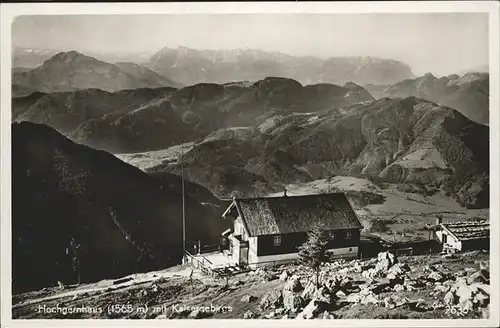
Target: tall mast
183	203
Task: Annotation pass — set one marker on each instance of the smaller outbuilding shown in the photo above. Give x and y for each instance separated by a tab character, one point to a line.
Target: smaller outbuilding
464	235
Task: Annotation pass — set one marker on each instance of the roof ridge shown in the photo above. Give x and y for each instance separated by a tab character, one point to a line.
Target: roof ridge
289	196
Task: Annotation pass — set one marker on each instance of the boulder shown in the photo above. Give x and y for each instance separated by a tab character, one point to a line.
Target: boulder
371	273
467	306
323	276
270	276
249	315
448	283
398	269
272	299
353	298
312	310
477	276
479	287
439	287
412	284
365	296
292	302
385	260
308	292
338	282
343	271
400	301
369	298
284	275
395	280
279	311
435	276
248	298
378	287
470	270
323	295
357	267
468	297
394	301
429	268
340	294
293	284
464	292
398	288
389	303
481	299
484	265
450	298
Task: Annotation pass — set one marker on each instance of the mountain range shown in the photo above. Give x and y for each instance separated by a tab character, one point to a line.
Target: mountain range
404	141
188	66
70	71
29	58
148	119
468	93
255	137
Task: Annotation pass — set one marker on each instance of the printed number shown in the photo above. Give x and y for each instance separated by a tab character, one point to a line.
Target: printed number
119	308
453	310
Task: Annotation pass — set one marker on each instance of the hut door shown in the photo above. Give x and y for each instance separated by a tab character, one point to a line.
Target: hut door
244	255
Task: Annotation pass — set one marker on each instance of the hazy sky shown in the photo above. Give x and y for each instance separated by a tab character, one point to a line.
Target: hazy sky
437	43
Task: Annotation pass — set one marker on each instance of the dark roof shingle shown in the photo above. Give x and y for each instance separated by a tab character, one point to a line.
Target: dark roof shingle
467	230
281	215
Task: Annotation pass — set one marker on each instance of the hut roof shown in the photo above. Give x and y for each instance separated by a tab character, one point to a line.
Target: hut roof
288	214
467	230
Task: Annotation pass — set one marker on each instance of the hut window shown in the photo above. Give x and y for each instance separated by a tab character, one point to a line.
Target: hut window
348	234
277	240
332	234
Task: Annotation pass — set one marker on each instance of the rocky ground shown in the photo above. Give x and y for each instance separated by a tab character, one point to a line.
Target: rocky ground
431	286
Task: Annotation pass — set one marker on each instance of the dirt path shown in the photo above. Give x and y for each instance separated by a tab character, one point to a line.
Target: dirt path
111	285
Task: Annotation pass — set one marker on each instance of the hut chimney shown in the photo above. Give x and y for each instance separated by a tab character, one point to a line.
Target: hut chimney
439	219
